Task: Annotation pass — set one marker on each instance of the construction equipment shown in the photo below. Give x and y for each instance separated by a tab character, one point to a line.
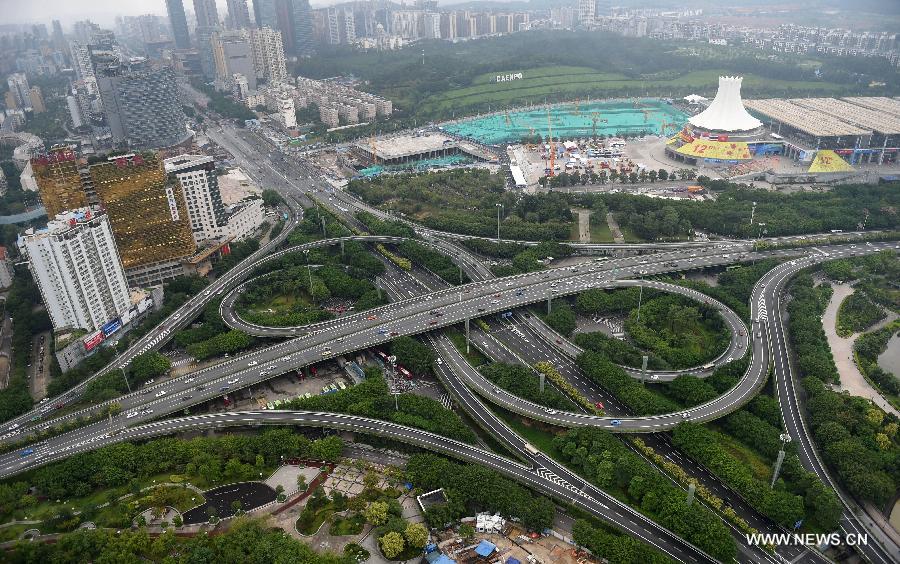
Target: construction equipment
552	145
373	148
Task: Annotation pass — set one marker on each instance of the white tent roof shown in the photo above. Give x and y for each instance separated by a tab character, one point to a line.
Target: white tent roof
694	98
726	112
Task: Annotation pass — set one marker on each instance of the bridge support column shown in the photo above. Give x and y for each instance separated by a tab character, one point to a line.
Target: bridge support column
324	232
342	247
643	369
542	379
549	305
690	496
777	471
460	274
467	335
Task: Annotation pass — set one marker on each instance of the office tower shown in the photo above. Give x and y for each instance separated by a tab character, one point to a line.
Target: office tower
206	13
265	12
141	104
58	181
233	54
238	14
77	269
178	21
196	174
300	18
268	54
37	100
148	216
59	40
432	25
18	86
84	30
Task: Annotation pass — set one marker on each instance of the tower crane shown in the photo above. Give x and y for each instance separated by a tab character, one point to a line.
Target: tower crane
552	145
595	119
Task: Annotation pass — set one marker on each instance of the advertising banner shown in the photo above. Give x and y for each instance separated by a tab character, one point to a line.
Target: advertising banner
92	340
112	327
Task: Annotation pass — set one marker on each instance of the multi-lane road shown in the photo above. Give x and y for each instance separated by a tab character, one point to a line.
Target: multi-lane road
426	314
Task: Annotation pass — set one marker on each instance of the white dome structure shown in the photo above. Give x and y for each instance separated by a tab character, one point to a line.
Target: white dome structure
726	112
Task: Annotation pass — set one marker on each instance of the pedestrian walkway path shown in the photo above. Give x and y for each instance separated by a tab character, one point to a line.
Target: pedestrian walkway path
614	228
852	380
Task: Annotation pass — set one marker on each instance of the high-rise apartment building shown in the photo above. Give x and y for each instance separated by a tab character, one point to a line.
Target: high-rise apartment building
148	216
58	180
76	266
268	54
233	54
206	13
196	175
300	15
587	12
341	26
178	21
141	104
19	89
37	100
238	14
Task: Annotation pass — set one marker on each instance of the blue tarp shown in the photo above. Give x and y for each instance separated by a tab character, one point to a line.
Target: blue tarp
512	560
485	548
444	559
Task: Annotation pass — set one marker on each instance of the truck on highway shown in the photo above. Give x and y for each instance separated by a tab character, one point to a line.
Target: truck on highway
529	448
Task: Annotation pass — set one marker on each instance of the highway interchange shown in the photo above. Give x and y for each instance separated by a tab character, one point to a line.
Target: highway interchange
414	316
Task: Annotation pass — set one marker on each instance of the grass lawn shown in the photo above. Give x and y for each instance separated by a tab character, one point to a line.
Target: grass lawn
758	465
474	357
310	521
574	82
629	235
600	232
352	525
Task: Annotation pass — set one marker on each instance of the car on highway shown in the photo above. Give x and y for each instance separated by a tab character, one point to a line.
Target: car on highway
131	414
189	379
432	322
394	333
599	405
185	398
481	309
224	388
200	388
161	393
372	317
13	427
26	452
234	381
252	363
615	422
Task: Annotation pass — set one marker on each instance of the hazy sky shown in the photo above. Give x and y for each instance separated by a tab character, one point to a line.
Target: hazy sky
102	12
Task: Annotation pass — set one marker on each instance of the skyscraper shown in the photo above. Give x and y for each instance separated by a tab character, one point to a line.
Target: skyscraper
238	14
58	180
268	54
265	12
18	86
178	21
76	266
148	216
141	104
196	174
301	23
233	54
206	12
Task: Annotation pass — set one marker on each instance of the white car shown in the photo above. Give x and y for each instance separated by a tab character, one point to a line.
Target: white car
252	363
233	381
131	414
161	393
189	380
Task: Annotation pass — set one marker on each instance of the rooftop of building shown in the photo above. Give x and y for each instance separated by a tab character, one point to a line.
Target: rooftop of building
408	144
804	119
180	162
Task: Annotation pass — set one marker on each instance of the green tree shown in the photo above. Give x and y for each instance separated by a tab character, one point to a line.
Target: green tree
466	531
271	198
149	365
376	513
392	544
416	535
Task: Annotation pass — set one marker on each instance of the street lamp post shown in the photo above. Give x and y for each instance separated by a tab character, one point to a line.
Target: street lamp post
308	269
499	207
125	377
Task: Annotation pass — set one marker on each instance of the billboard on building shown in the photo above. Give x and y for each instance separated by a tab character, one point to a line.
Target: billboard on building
92	340
112	327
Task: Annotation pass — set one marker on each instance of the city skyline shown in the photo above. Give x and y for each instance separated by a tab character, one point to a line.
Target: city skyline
104	12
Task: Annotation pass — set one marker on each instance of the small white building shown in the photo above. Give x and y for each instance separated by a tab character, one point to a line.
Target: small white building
489	524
